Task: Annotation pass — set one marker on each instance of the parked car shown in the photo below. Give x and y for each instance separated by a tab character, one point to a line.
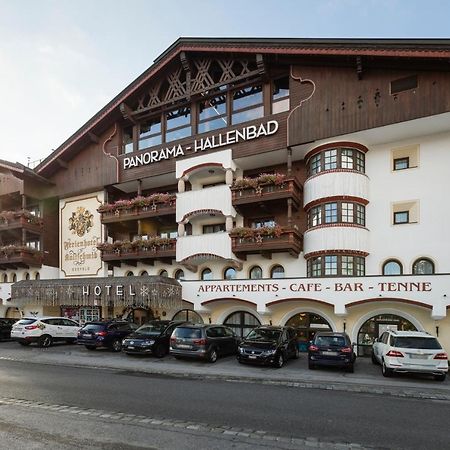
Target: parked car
105	333
5	327
331	349
44	330
410	351
150	338
203	341
268	345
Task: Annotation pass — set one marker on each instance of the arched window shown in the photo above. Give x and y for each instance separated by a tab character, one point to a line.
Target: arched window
37	276
392	267
179	275
129	274
423	266
14	278
229	273
255	273
277	272
26	276
144	273
207	274
187	315
5	278
241	322
163	273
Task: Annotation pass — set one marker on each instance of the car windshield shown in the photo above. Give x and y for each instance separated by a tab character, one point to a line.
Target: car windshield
330	341
262	334
26	321
93	327
188	333
151	328
416	342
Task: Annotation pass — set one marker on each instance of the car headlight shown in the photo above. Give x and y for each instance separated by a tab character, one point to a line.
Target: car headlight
241	349
149	342
269	352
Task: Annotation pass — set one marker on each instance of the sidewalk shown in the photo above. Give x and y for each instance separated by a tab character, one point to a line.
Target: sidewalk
367	377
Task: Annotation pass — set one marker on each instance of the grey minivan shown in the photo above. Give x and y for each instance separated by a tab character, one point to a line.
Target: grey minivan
201	341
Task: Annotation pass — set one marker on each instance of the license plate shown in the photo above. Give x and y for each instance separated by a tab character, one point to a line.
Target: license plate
252	357
418	356
184	346
131	347
330	353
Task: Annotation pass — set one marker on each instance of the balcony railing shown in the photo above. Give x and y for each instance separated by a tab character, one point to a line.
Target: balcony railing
138	208
20	219
138	251
288	188
266	240
14	256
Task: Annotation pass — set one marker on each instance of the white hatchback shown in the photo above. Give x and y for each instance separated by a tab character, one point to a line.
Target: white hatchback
44	330
410	351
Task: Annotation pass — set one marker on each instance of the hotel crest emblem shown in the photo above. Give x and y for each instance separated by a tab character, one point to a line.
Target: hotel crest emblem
81	221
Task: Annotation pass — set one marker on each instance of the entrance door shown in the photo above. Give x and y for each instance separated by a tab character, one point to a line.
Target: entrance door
307	325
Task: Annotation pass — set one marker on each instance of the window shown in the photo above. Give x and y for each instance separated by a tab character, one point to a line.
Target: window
14	278
187	315
163	273
215	228
150	133
207	275
265	222
401	163
423	266
212	114
331	213
336	265
255	273
337	158
361	215
315	216
277	272
178	124
229	273
26	276
401	217
392	267
403	84
5	278
347	212
127	139
37	276
247	104
337	212
144	273
129	274
179	275
280	95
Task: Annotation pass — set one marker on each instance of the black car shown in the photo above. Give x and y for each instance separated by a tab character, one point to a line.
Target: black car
268	345
150	338
5	327
331	349
109	333
203	341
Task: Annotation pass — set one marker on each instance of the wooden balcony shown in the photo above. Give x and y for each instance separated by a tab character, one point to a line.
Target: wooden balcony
290	188
20	220
124	253
288	240
13	258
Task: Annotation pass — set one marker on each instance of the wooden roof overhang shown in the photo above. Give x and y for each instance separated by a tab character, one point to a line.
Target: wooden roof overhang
116	109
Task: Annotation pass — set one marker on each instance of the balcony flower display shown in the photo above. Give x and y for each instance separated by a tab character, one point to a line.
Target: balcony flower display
12	249
256	234
7	217
152	243
139	202
262	179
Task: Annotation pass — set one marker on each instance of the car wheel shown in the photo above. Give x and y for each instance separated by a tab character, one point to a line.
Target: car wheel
440	377
116	345
296	353
279	361
212	358
350	368
90	347
45	341
386	371
311	365
374	359
24	343
159	351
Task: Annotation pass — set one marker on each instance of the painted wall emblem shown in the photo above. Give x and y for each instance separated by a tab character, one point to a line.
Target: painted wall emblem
81	221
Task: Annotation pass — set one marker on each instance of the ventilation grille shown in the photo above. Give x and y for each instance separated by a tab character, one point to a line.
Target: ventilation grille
403	84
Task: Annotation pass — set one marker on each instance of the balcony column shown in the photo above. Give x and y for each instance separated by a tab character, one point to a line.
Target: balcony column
139	188
181	229
181	185
289	212
228	223
289	161
24	201
229	177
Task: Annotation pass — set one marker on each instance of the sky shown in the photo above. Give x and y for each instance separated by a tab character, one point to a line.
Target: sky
61	61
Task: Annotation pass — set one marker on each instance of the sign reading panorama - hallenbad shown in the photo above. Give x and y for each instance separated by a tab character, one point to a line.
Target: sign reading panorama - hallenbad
218	140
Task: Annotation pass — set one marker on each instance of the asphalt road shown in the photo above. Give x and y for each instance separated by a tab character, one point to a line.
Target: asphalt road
330	416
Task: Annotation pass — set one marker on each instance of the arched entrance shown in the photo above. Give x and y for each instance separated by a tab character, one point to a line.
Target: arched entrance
307	324
139	316
241	322
372	328
12	313
187	315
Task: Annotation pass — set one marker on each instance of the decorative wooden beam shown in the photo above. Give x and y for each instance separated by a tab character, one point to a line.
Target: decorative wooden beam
127	112
260	64
359	68
62	164
93	137
187	69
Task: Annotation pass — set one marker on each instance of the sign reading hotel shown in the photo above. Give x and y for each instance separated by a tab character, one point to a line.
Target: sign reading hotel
218	140
81	232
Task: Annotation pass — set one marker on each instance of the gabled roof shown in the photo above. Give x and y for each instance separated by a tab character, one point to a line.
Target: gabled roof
387	48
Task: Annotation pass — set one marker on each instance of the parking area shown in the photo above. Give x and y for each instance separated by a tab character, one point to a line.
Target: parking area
295	371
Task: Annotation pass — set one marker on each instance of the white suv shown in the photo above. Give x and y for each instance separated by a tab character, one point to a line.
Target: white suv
410	351
44	330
